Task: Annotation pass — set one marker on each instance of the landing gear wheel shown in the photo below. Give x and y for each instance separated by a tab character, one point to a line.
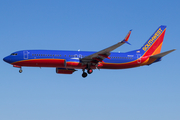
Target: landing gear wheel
20	71
89	71
84	74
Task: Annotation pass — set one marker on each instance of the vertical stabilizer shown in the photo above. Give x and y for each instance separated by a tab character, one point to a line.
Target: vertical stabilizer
154	43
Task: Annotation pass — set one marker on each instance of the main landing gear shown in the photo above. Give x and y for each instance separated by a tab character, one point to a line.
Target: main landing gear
89	71
84	74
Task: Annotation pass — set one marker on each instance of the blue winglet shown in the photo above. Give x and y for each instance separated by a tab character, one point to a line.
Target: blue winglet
126	42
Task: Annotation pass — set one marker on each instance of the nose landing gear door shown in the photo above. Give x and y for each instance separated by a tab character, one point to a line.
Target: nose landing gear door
25	54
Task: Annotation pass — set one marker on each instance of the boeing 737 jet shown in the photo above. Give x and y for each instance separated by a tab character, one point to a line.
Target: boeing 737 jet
66	62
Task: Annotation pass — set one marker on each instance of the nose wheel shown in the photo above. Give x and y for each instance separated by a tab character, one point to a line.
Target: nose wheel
20	71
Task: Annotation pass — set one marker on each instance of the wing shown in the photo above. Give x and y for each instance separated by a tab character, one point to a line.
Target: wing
101	55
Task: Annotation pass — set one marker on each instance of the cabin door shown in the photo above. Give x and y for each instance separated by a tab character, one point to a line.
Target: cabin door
138	58
25	54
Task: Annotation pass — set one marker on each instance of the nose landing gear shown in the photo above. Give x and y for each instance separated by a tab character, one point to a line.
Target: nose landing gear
20	71
17	66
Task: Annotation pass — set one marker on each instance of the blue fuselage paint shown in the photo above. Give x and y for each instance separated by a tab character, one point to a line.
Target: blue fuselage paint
67	55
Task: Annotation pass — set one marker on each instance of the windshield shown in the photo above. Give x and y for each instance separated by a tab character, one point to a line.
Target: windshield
14	54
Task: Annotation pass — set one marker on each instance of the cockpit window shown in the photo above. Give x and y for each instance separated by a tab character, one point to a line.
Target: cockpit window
14	54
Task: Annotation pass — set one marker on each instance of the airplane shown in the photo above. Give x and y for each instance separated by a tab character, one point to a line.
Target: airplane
66	62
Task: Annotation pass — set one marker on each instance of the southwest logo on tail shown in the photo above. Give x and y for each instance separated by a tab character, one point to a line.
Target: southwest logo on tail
154	44
66	62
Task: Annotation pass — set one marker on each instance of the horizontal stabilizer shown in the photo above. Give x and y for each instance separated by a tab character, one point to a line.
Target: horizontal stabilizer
162	54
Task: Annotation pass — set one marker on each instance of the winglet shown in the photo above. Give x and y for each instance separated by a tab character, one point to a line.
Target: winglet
127	42
127	36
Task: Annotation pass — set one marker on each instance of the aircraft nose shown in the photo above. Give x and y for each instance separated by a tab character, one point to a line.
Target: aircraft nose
6	59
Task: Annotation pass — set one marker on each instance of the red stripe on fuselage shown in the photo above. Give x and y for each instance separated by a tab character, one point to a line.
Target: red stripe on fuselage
132	64
41	63
49	63
60	63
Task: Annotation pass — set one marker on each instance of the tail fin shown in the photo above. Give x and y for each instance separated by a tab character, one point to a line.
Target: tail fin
154	43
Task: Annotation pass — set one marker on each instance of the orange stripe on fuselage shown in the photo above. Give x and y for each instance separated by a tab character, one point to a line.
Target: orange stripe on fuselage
151	60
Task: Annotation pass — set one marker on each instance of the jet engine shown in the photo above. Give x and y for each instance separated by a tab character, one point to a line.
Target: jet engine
64	71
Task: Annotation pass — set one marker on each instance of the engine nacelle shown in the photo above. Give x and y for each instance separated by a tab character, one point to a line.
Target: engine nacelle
64	71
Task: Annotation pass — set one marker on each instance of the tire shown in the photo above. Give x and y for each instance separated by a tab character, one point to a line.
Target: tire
84	74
